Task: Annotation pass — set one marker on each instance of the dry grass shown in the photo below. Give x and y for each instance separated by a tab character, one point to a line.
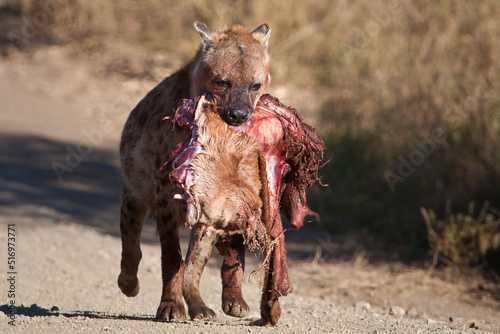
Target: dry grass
460	238
389	74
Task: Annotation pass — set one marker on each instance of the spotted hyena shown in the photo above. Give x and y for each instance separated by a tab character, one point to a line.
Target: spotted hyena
231	67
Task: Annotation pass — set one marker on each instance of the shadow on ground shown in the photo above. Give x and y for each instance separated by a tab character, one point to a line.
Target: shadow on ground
89	194
87	190
37	311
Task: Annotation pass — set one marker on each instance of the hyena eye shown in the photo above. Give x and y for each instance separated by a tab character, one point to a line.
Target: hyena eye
256	87
222	83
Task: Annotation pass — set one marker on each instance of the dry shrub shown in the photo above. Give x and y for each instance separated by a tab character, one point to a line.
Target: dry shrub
460	238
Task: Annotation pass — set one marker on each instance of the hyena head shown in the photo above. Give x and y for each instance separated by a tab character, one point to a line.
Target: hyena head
233	68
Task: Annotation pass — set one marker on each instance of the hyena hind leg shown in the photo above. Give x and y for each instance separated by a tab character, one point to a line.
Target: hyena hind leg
172	267
131	219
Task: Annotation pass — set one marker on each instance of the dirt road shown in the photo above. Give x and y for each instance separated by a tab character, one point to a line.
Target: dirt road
60	121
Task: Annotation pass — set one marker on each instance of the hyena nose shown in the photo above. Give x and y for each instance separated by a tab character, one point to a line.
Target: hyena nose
238	116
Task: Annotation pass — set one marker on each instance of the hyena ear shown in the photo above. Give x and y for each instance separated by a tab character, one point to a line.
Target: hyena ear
205	33
262	33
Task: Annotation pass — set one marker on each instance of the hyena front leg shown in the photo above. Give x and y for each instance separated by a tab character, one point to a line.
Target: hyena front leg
131	218
172	269
200	249
232	270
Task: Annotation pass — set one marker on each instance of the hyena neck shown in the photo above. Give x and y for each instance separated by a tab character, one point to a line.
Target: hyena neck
183	83
179	86
194	71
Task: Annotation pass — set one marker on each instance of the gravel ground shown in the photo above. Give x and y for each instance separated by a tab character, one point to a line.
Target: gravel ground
66	282
67	246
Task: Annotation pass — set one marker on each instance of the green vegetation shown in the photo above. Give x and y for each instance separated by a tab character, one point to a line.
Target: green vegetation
410	94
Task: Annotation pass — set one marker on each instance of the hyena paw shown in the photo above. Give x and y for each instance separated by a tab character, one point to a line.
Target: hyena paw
201	313
233	303
171	311
128	284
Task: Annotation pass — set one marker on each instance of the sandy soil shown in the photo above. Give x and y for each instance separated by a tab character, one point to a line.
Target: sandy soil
60	121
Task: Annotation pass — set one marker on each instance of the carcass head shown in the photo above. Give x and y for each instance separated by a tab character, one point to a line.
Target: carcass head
226	181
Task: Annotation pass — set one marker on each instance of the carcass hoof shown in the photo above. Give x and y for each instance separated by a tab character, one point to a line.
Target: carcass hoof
170	311
233	303
129	285
270	312
201	313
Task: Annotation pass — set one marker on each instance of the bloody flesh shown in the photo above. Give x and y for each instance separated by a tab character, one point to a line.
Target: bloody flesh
293	150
